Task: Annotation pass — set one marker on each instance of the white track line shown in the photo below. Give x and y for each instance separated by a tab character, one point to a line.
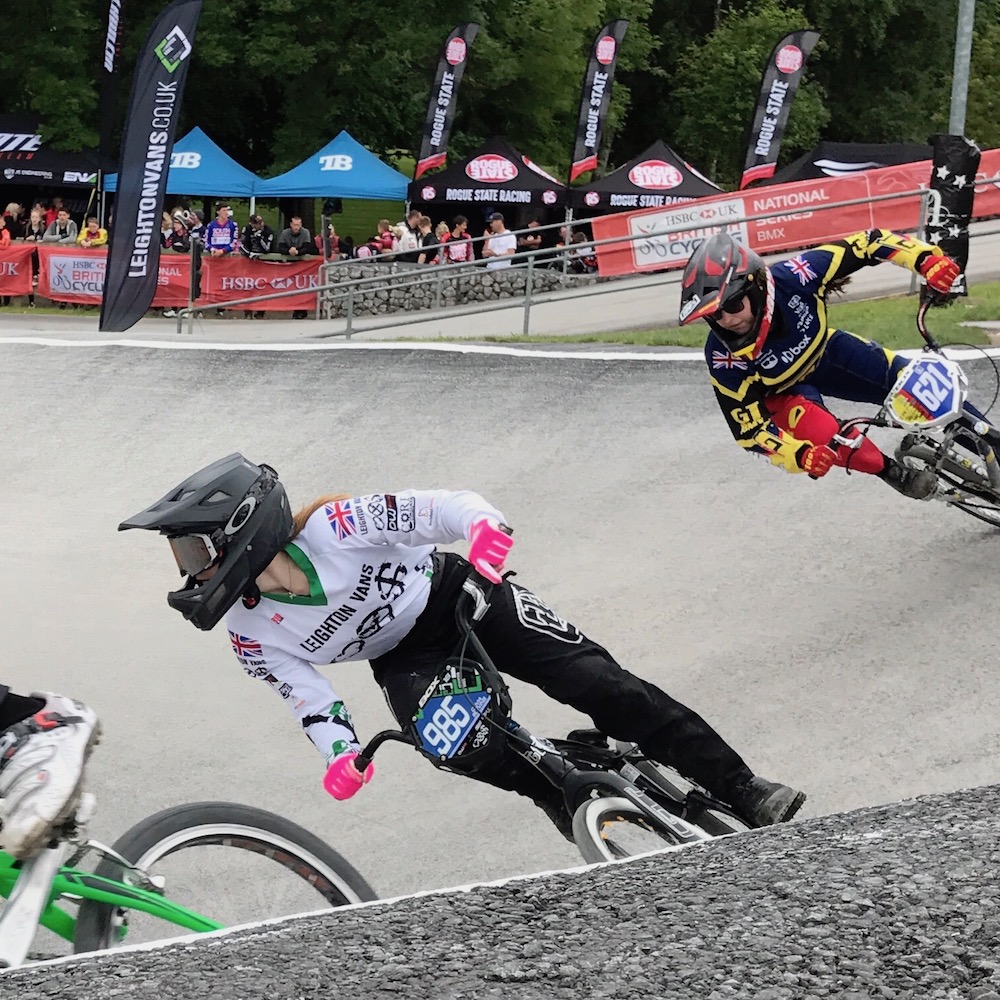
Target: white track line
429	346
179	345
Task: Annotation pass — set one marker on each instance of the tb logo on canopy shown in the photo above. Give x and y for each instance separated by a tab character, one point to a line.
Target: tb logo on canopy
336	161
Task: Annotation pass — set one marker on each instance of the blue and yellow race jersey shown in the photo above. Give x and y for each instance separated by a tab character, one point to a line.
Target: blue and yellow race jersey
798	335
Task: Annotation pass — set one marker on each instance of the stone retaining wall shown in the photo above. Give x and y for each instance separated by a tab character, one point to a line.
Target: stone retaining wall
391	287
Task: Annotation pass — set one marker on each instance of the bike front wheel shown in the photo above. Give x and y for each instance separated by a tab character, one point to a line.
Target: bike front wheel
235	864
973	492
609	829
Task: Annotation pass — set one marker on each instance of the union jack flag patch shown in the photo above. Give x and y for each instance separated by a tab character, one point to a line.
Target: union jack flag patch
799	266
341	518
244	646
723	359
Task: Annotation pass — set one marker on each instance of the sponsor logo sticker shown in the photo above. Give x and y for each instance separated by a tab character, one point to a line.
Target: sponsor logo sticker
605	50
655	175
173	49
789	59
533	613
491	168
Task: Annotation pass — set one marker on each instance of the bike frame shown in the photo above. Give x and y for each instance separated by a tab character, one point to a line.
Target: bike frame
72	882
575	782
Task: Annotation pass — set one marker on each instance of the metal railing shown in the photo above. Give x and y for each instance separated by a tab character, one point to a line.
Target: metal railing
333	287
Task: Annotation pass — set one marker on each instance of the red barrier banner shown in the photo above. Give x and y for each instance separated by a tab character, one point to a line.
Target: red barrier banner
227	278
794	216
15	269
68	274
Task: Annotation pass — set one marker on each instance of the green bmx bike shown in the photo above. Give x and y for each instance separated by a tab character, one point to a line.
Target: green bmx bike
188	869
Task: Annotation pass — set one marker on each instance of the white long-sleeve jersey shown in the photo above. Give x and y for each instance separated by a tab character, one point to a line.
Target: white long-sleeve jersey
368	563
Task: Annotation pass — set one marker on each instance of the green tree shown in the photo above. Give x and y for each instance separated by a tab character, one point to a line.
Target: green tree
886	67
674	25
524	77
52	54
721	80
982	121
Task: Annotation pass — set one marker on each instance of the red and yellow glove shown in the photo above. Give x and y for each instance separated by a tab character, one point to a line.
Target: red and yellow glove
816	459
939	272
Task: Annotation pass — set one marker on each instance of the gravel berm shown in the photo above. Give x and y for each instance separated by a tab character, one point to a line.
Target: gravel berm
893	902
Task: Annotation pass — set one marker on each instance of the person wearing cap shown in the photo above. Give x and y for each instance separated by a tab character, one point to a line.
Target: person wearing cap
257	237
178	239
500	243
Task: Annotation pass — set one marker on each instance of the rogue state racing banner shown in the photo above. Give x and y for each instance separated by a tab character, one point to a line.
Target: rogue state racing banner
596	97
444	98
782	75
949	206
147	140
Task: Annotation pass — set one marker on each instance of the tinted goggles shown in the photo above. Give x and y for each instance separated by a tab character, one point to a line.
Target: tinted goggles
732	305
193	553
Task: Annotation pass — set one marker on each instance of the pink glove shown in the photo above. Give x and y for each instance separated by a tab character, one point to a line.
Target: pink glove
489	548
343	779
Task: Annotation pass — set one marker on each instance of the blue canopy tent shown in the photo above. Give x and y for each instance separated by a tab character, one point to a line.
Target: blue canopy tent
199	167
343	168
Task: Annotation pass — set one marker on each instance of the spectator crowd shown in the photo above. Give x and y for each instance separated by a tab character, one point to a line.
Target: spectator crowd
414	240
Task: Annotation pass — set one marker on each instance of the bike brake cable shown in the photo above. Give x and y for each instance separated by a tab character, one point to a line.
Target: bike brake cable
996	370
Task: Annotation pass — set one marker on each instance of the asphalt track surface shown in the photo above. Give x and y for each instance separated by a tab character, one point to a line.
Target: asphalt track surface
886	903
838	635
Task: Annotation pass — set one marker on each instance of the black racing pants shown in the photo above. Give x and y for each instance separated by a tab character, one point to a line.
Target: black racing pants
529	641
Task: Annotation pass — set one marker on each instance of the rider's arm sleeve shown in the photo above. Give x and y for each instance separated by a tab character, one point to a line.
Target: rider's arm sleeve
310	696
840	258
754	430
413	517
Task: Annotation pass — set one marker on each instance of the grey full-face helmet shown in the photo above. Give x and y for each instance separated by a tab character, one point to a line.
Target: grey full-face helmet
233	515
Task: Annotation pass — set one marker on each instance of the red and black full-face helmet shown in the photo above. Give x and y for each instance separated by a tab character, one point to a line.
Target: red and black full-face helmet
719	275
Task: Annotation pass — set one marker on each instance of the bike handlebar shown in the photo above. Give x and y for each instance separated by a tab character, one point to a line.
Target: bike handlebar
931	298
475	588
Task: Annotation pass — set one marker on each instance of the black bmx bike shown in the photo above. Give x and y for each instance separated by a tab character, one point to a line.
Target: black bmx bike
927	403
620	803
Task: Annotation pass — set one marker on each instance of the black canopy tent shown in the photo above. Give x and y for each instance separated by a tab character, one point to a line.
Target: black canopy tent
495	178
841	159
656	177
25	159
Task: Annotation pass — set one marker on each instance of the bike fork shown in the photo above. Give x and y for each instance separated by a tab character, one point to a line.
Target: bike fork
29	897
